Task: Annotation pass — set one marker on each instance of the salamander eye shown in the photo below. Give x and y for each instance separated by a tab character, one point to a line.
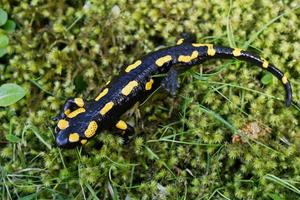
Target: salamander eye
70	105
73	103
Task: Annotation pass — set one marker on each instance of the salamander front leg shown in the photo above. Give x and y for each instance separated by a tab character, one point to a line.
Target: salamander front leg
126	129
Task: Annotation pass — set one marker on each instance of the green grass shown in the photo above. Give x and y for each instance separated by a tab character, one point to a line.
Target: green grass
183	147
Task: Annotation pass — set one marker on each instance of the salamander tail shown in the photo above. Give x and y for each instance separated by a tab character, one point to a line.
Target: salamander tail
225	52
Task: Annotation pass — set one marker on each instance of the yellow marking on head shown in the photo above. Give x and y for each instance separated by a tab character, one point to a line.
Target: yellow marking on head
133	66
91	129
161	61
74	137
62	124
129	87
236	52
106	108
83	141
76	112
149	84
67	111
121	125
265	63
188	58
102	94
284	80
107	82
210	48
79	102
180	41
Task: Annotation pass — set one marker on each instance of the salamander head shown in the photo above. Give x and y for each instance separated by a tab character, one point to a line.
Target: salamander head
76	124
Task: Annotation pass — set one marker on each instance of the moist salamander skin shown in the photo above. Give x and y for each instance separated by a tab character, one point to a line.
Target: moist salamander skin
80	120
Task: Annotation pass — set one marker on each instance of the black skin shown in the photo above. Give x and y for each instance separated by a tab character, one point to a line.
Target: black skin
142	75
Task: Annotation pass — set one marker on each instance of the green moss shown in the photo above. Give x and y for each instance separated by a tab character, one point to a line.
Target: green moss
185	153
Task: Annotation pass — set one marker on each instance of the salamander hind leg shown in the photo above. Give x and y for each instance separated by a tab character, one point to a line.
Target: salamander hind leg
170	82
126	130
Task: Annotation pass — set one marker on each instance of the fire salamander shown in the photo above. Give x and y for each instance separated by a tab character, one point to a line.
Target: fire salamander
80	120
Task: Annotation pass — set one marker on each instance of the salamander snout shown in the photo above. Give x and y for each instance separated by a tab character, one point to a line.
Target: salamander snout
75	124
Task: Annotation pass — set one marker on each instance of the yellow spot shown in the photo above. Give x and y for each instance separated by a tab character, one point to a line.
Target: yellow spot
265	63
149	84
188	58
62	124
76	112
91	129
161	61
74	137
211	51
210	48
133	66
199	45
129	87
79	102
84	141
236	52
106	108
67	111
121	125
107	82
180	41
102	94
284	80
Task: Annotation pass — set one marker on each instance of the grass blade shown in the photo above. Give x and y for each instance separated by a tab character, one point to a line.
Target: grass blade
254	37
230	36
37	134
218	117
282	182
